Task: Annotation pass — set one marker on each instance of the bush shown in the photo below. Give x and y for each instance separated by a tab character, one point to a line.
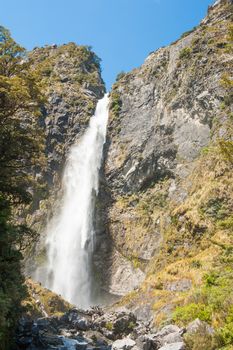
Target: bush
200	340
188	32
185	53
115	106
226	223
226	150
190	312
224	336
120	75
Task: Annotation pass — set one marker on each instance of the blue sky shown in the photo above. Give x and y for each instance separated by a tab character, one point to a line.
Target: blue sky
121	32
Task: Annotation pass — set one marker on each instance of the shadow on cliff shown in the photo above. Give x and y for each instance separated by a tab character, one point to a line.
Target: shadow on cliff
103	251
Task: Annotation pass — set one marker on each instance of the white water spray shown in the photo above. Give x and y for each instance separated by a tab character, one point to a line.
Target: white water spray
70	234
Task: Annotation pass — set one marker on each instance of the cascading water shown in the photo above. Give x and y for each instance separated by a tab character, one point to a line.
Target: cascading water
70	234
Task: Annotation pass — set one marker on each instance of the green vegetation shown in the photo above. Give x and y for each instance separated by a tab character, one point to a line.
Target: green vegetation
21	146
120	75
188	32
185	53
212	303
192	311
115	105
226	149
52	303
109	326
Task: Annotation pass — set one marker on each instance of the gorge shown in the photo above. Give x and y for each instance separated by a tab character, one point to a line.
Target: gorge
125	225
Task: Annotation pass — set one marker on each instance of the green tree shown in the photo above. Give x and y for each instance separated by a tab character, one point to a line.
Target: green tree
21	145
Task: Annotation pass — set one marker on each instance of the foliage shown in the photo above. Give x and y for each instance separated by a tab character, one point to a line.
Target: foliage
188	32
212	303
20	145
227	83
200	340
215	208
226	223
226	149
192	311
115	105
185	53
120	75
20	136
53	304
109	326
229	46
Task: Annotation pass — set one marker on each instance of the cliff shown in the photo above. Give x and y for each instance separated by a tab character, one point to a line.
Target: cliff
165	206
164	211
70	79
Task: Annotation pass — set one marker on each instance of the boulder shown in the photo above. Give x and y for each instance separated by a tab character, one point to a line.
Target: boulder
168	330
174	337
196	325
115	324
174	346
123	344
147	342
82	324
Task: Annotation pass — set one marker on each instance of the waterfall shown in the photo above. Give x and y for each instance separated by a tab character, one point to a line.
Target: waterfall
70	234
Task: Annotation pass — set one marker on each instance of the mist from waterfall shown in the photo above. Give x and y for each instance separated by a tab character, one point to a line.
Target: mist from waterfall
70	234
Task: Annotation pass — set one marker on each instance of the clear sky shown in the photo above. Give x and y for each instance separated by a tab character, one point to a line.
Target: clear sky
121	32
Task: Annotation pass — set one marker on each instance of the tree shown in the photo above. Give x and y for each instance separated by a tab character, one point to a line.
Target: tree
21	145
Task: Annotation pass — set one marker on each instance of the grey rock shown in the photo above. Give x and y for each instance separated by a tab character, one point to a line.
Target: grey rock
168	330
82	324
174	337
115	324
147	342
174	346
167	111
179	285
197	324
123	344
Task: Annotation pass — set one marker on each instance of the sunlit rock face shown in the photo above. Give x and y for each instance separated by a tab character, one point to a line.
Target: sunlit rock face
162	116
70	236
72	84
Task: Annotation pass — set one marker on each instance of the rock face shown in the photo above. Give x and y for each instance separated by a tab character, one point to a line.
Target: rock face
162	117
166	177
70	76
72	85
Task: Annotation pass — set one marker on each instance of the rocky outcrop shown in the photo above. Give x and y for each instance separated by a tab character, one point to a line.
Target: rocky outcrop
80	330
70	78
42	302
163	214
163	116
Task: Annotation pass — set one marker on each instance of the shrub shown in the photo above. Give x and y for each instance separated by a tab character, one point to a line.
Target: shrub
226	150
115	106
224	336
200	340
188	32
196	264
190	312
120	75
109	326
226	223
185	53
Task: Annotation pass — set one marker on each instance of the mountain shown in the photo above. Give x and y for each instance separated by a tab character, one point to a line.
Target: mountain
166	199
163	214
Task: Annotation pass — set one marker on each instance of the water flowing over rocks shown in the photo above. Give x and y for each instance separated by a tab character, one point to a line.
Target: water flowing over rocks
70	236
72	84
